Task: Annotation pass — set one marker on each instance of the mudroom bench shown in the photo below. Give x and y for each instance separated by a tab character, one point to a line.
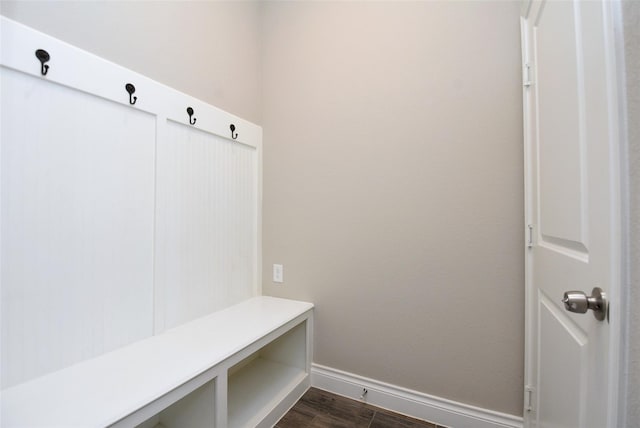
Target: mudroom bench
243	366
131	291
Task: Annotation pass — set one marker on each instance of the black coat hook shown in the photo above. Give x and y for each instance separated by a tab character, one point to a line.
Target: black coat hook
43	56
233	128
131	89
190	113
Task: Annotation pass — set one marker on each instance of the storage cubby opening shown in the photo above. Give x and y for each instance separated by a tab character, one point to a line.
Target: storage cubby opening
259	382
195	410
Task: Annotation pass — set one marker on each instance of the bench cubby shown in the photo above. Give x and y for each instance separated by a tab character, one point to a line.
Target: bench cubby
262	380
195	410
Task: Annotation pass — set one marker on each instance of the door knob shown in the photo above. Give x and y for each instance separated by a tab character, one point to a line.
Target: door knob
578	302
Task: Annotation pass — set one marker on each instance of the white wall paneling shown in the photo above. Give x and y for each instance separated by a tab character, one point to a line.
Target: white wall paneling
118	221
77	226
206	218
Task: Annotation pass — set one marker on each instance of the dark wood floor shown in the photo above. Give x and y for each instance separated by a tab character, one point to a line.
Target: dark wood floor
321	409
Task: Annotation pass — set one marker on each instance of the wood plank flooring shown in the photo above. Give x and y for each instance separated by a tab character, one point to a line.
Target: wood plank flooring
321	409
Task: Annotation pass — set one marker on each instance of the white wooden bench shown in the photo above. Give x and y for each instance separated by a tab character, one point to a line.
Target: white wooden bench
243	366
128	222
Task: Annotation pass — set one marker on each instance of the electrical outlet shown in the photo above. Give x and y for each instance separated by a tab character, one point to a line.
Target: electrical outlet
278	273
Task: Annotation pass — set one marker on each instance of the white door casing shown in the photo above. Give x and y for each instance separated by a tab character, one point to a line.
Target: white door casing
573	211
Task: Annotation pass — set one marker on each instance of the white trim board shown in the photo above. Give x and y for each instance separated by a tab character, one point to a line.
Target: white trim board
411	403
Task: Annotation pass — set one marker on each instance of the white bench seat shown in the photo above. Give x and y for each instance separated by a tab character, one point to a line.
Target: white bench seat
122	386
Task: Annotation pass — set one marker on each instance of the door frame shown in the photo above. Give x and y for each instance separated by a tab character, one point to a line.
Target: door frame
619	290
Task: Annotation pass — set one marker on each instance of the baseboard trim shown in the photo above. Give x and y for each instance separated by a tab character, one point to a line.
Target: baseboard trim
411	403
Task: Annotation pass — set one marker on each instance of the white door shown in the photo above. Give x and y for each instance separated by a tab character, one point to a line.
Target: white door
570	106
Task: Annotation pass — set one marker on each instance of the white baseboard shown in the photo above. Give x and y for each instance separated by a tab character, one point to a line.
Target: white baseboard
411	403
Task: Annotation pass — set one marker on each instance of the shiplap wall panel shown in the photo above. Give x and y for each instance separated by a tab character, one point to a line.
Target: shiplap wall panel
77	226
206	234
118	221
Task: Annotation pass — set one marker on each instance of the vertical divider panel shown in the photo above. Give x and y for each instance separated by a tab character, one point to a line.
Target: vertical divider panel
159	290
222	404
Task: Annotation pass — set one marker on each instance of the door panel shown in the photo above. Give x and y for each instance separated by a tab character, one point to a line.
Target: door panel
562	209
572	206
561	346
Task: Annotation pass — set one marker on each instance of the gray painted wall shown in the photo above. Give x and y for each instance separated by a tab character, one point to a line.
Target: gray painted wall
631	22
393	189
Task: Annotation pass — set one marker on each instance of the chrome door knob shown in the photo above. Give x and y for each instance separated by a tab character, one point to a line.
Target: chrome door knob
579	302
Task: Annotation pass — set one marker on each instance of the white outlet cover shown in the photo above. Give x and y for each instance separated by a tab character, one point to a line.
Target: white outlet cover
278	273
